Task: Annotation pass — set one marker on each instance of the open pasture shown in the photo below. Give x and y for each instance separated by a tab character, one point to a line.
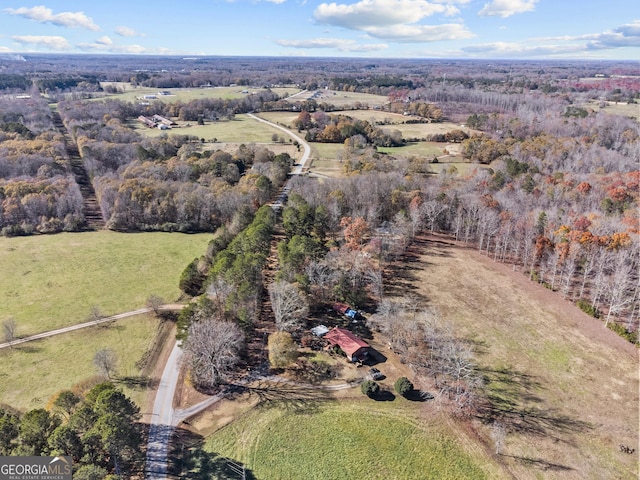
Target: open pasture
135	94
52	281
624	109
242	129
350	439
32	372
340	99
564	387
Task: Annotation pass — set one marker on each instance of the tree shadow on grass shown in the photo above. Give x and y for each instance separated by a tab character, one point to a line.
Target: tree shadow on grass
419	396
290	396
540	464
24	347
511	397
189	460
384	396
138	382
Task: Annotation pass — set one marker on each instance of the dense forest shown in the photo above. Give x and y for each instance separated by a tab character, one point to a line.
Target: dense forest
554	189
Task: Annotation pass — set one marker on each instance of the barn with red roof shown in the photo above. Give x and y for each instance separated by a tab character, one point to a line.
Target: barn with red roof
355	348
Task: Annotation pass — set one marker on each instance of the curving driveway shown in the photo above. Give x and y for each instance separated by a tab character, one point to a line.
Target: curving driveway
297	170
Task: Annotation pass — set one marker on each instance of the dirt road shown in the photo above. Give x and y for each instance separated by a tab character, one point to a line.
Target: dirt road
92	323
297	170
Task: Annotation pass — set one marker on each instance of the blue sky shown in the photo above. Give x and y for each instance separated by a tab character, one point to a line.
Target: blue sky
535	29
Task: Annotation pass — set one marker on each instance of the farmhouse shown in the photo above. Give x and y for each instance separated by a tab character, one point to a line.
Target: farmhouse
147	121
163	120
356	349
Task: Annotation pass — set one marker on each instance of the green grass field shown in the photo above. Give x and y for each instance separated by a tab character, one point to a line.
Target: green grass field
32	372
242	129
136	94
349	439
51	281
340	99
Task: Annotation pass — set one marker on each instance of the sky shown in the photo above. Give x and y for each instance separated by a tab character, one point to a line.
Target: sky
507	29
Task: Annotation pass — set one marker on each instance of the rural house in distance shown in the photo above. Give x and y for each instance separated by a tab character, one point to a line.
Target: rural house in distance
357	350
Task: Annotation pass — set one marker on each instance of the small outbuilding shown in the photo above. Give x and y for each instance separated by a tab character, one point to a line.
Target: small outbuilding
356	349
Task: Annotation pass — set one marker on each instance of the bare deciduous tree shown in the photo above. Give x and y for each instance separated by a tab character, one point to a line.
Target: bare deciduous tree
155	303
95	315
289	305
212	350
105	361
498	435
9	328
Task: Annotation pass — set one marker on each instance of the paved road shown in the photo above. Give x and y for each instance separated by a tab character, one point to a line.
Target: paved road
92	323
162	420
297	170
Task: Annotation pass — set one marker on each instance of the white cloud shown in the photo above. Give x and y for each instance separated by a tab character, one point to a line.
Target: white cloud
336	43
5	49
133	49
127	32
420	33
104	40
511	50
43	14
506	8
51	42
627	35
277	2
394	20
366	13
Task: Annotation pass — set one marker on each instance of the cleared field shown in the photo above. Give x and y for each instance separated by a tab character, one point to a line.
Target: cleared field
416	149
283	118
32	372
350	439
340	99
51	281
631	110
242	129
565	387
137	94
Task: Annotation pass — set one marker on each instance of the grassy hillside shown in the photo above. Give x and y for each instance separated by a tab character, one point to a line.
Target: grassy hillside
51	281
32	372
350	439
565	387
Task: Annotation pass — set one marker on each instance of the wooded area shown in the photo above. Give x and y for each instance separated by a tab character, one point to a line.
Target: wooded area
552	189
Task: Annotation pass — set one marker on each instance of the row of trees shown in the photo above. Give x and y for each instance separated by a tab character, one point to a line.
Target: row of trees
98	428
167	183
38	193
231	273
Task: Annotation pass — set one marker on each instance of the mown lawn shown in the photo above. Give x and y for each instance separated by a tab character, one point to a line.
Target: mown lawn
349	439
242	129
32	372
51	281
136	94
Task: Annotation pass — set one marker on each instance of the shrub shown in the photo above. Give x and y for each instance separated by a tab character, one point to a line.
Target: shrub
370	388
588	309
621	330
403	386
